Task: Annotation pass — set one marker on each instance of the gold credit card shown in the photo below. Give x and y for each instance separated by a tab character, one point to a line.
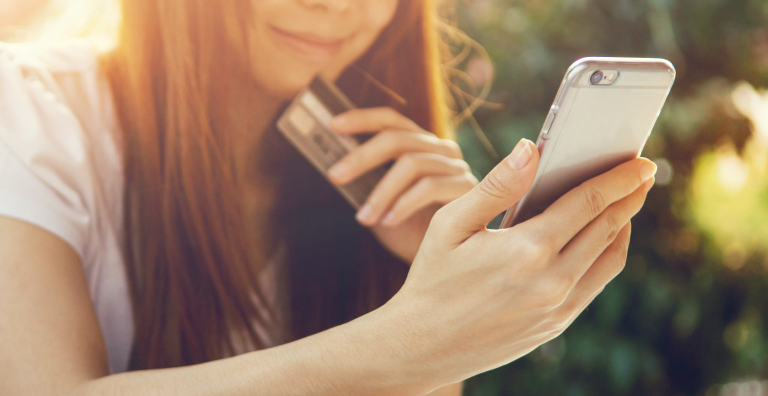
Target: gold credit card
306	124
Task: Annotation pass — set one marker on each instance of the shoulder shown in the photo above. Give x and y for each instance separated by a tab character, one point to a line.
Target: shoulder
58	143
71	56
66	74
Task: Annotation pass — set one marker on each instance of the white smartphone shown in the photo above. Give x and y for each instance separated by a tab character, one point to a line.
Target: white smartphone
601	117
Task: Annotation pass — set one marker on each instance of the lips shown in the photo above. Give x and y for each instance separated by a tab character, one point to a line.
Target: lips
309	45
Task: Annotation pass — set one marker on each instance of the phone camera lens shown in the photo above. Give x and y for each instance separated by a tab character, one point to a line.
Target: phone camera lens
596	78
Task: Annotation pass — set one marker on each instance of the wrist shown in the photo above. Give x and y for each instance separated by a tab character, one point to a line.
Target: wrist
379	351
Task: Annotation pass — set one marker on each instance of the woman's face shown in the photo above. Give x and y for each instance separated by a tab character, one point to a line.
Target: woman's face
294	40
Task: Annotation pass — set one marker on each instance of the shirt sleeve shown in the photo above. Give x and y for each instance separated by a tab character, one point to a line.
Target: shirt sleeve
46	177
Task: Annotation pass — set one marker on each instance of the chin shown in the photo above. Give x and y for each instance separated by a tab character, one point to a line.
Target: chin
285	83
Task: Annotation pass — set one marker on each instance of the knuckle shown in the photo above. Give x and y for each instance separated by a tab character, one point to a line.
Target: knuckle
563	283
620	256
594	201
534	252
620	261
550	297
387	135
611	226
548	242
428	183
387	140
494	187
408	161
567	317
461	165
545	239
561	318
452	148
568	309
557	295
353	159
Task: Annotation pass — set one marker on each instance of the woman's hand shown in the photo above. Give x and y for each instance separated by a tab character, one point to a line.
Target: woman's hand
427	173
476	299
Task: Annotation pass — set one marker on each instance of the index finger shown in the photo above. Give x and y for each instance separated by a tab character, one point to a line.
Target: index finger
371	120
577	208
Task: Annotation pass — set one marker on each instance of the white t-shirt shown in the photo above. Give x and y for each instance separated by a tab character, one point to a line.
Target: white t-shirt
61	169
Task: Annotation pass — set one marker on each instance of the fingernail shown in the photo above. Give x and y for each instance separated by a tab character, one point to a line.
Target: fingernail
647	171
365	214
389	219
521	155
338	172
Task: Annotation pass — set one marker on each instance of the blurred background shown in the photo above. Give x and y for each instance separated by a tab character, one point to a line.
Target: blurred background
689	315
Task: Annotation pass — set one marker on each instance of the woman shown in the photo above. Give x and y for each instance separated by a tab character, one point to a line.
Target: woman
158	237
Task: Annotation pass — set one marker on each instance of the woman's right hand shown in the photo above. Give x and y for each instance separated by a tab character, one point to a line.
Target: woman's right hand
476	299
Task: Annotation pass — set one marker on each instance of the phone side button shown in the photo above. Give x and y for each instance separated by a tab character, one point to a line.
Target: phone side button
547	125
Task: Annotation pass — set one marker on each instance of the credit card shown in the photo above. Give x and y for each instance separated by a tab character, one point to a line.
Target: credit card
306	124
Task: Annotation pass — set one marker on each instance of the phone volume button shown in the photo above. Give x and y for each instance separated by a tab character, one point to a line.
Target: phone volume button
548	124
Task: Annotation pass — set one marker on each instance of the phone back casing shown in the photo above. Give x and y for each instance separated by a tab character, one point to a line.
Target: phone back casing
591	129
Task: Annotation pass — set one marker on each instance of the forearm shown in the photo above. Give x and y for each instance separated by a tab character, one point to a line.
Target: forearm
355	358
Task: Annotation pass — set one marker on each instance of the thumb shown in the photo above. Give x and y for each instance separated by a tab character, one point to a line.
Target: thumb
503	187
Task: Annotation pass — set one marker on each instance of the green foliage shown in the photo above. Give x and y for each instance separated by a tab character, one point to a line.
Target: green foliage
682	318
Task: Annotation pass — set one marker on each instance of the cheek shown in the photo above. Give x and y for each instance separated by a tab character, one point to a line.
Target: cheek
379	13
375	16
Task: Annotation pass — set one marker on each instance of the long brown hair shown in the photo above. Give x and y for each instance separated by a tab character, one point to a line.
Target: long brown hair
193	264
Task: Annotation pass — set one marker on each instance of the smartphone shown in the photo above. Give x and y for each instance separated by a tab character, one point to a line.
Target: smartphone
602	117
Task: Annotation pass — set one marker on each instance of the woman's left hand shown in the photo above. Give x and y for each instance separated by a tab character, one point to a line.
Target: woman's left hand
428	172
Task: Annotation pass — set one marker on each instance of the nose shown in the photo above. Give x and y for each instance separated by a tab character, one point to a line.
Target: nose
330	5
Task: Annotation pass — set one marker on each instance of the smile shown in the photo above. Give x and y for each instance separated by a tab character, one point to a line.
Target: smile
310	45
